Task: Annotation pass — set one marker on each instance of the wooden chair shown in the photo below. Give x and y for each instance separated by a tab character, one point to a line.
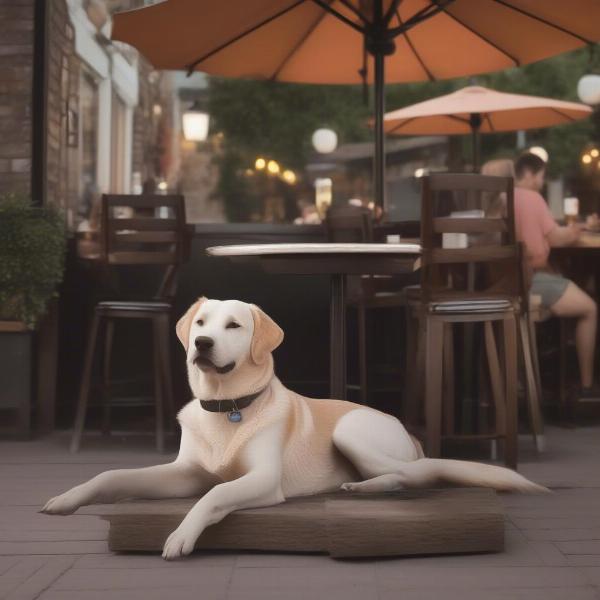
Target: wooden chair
351	224
143	239
479	283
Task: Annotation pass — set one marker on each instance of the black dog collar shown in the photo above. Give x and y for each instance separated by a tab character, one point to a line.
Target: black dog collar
233	407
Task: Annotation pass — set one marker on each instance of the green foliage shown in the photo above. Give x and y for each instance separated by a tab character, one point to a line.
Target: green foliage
264	118
32	253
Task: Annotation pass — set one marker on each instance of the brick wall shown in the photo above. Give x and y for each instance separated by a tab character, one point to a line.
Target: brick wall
62	67
16	73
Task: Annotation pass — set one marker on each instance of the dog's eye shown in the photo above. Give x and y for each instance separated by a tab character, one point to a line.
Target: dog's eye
232	325
199	322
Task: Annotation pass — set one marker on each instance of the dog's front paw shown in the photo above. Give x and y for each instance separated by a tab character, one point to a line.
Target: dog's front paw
65	504
181	542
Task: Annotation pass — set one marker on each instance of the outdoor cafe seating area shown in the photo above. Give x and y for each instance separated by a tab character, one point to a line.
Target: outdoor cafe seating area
456	322
303	295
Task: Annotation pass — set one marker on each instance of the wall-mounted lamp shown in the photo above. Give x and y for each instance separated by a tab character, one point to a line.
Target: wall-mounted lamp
195	123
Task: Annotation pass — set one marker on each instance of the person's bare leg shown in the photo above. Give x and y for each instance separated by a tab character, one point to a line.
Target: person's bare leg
576	303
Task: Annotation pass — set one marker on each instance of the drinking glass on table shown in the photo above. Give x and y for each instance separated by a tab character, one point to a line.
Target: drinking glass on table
571	210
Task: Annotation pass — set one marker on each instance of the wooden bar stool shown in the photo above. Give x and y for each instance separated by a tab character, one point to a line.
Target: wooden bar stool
143	239
478	281
532	313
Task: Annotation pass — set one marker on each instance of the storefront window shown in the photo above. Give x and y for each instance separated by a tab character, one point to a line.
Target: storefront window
88	146
118	141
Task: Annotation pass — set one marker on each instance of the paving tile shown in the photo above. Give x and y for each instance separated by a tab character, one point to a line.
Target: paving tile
582	547
540	523
7	562
276	560
564	535
181	574
152	560
36	535
593	574
41	579
158	593
572	593
24	567
583	560
26	520
480	577
549	553
56	547
334	580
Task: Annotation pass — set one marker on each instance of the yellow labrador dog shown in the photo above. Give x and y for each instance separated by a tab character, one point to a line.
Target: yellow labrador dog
248	441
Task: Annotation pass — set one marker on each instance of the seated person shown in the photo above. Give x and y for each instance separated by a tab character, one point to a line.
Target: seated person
538	230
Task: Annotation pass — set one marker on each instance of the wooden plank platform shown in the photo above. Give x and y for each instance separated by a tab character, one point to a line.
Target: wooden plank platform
342	524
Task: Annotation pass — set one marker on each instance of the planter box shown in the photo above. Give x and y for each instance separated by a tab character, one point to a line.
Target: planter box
16	367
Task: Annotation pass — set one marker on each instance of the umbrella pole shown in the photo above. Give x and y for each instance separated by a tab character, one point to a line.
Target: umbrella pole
379	167
475	122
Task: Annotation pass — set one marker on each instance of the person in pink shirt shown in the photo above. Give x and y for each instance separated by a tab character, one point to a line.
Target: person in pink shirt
537	229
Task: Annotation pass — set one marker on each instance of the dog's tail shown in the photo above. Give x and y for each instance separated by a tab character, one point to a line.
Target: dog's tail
469	473
425	472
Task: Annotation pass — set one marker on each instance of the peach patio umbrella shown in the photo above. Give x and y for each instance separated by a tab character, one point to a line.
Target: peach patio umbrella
353	41
476	109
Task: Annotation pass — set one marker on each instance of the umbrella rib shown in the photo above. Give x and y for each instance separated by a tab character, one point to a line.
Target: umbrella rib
457	118
407	121
238	37
401	125
414	51
393	9
300	42
327	7
422	15
564	115
355	10
482	37
544	21
488	118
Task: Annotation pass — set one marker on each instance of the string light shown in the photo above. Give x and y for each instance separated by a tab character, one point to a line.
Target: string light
273	167
289	176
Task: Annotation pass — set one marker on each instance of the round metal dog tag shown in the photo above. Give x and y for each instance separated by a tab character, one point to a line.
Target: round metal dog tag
235	416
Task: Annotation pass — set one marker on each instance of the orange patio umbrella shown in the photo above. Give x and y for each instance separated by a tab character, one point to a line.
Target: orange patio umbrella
355	41
476	109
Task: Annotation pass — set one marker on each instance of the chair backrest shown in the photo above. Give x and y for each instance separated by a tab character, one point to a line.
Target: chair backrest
347	224
486	261
145	230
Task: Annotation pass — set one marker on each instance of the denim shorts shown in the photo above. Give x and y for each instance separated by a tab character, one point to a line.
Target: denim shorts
549	286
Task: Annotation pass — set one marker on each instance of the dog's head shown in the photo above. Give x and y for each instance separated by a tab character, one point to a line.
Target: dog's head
224	337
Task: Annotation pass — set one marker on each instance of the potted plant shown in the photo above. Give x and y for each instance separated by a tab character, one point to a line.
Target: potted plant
32	253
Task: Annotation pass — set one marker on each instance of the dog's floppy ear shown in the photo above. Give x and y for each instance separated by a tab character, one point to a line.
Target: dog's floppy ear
267	335
185	323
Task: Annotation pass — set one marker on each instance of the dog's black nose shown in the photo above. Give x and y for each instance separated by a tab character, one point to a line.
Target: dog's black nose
203	343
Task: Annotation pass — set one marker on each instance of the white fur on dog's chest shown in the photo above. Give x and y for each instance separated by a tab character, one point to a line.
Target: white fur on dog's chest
303	441
213	440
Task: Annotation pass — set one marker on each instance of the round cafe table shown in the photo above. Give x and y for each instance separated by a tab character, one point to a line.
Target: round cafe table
337	261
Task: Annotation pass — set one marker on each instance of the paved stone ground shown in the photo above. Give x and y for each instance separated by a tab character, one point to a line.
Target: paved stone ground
552	542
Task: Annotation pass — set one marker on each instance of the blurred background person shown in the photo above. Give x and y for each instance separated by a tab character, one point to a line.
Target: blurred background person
538	230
